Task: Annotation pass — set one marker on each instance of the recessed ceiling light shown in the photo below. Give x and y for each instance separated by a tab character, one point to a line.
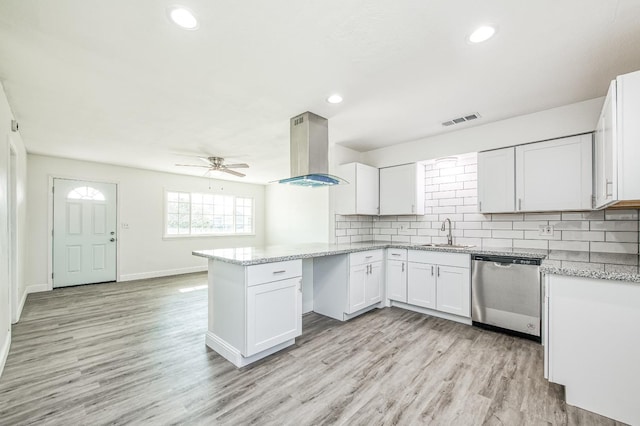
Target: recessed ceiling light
183	17
482	33
334	99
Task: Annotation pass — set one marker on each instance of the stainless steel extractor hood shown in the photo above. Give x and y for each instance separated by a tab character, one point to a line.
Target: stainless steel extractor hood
309	147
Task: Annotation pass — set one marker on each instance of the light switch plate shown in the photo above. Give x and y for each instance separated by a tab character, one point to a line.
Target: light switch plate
546	229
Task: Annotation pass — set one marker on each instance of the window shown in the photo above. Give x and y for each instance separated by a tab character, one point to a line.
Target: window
193	214
85	193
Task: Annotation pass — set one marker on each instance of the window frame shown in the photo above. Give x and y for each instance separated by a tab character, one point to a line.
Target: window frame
166	235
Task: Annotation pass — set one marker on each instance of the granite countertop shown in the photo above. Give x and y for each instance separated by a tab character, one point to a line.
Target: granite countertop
579	264
246	256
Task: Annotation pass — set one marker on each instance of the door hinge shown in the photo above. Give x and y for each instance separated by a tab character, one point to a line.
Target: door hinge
52	275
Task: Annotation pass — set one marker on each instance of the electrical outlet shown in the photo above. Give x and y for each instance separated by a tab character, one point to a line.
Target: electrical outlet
546	229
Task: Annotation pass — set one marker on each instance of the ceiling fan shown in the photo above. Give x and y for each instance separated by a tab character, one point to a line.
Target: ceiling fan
216	164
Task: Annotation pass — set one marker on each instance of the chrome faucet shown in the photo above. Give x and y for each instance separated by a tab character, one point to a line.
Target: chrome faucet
449	236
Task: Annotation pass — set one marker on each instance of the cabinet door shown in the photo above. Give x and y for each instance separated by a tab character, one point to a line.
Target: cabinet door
274	314
421	285
397	280
402	189
453	290
361	195
373	284
357	284
554	175
496	180
605	182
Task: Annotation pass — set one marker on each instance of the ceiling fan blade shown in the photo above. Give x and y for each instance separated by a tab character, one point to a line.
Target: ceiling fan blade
237	166
192	165
233	172
206	160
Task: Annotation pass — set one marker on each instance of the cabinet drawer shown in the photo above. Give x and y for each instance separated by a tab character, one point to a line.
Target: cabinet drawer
461	260
361	257
276	271
396	254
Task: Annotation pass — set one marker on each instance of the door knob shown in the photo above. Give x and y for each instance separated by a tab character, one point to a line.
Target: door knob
112	239
113	233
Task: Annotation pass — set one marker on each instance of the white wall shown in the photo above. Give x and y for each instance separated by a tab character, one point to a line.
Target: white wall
142	251
10	297
567	120
296	215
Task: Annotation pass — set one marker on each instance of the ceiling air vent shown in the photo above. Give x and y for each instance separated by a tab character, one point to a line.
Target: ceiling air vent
461	119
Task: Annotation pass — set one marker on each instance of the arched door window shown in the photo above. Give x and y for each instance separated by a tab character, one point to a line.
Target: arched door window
85	193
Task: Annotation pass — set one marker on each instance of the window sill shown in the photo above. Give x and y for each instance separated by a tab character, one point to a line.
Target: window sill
174	237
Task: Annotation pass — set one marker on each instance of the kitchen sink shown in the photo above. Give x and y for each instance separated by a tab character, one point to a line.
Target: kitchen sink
453	246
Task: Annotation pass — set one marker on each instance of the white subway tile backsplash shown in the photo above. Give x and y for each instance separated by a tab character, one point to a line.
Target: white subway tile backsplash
462	193
531	244
444	210
583	265
570	225
497	225
477	217
400	239
614	225
443	179
477	233
450	201
471	201
448	171
471	168
574	256
596	215
471	184
621	237
542	216
429	232
583	235
534	225
465	177
496	243
450	186
498	233
621	259
623	269
504	217
471	208
630	248
621	214
444	194
535	235
569	245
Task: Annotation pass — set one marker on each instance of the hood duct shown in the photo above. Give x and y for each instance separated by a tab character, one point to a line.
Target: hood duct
309	150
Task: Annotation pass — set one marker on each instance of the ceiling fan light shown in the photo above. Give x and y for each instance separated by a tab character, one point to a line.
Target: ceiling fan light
183	17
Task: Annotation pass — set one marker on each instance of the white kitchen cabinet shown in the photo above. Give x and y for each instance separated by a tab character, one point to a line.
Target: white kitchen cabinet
421	285
591	345
554	175
254	310
402	190
347	285
440	281
362	194
396	274
496	180
605	182
274	314
617	151
453	287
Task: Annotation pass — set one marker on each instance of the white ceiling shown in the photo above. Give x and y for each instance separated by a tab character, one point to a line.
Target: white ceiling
115	81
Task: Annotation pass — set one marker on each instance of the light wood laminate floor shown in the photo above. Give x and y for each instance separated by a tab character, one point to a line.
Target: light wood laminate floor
134	353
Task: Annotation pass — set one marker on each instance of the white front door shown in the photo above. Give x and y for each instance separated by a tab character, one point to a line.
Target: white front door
84	232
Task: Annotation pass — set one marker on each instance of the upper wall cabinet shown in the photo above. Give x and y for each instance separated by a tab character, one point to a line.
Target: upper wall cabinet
543	176
496	180
554	175
617	145
402	189
361	195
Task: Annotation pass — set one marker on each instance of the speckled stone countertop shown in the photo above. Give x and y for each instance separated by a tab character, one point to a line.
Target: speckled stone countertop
608	266
255	255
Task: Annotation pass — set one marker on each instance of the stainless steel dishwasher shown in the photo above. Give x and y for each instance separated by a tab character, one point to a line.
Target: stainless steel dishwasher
506	294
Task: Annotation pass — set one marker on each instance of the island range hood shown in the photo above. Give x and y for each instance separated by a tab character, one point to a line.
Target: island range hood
309	150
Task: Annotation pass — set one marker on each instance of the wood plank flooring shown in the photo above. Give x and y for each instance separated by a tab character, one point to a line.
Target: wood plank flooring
134	353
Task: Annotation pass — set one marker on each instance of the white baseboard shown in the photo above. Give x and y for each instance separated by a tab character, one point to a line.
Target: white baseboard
4	351
164	273
433	313
35	288
234	356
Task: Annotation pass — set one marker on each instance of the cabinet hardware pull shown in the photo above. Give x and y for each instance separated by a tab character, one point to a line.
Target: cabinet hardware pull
519	203
402	266
368	257
609	182
395	254
280	272
438	271
431	270
480	206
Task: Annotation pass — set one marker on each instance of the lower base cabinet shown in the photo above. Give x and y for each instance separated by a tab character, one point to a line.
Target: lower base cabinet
274	314
346	285
396	274
440	281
